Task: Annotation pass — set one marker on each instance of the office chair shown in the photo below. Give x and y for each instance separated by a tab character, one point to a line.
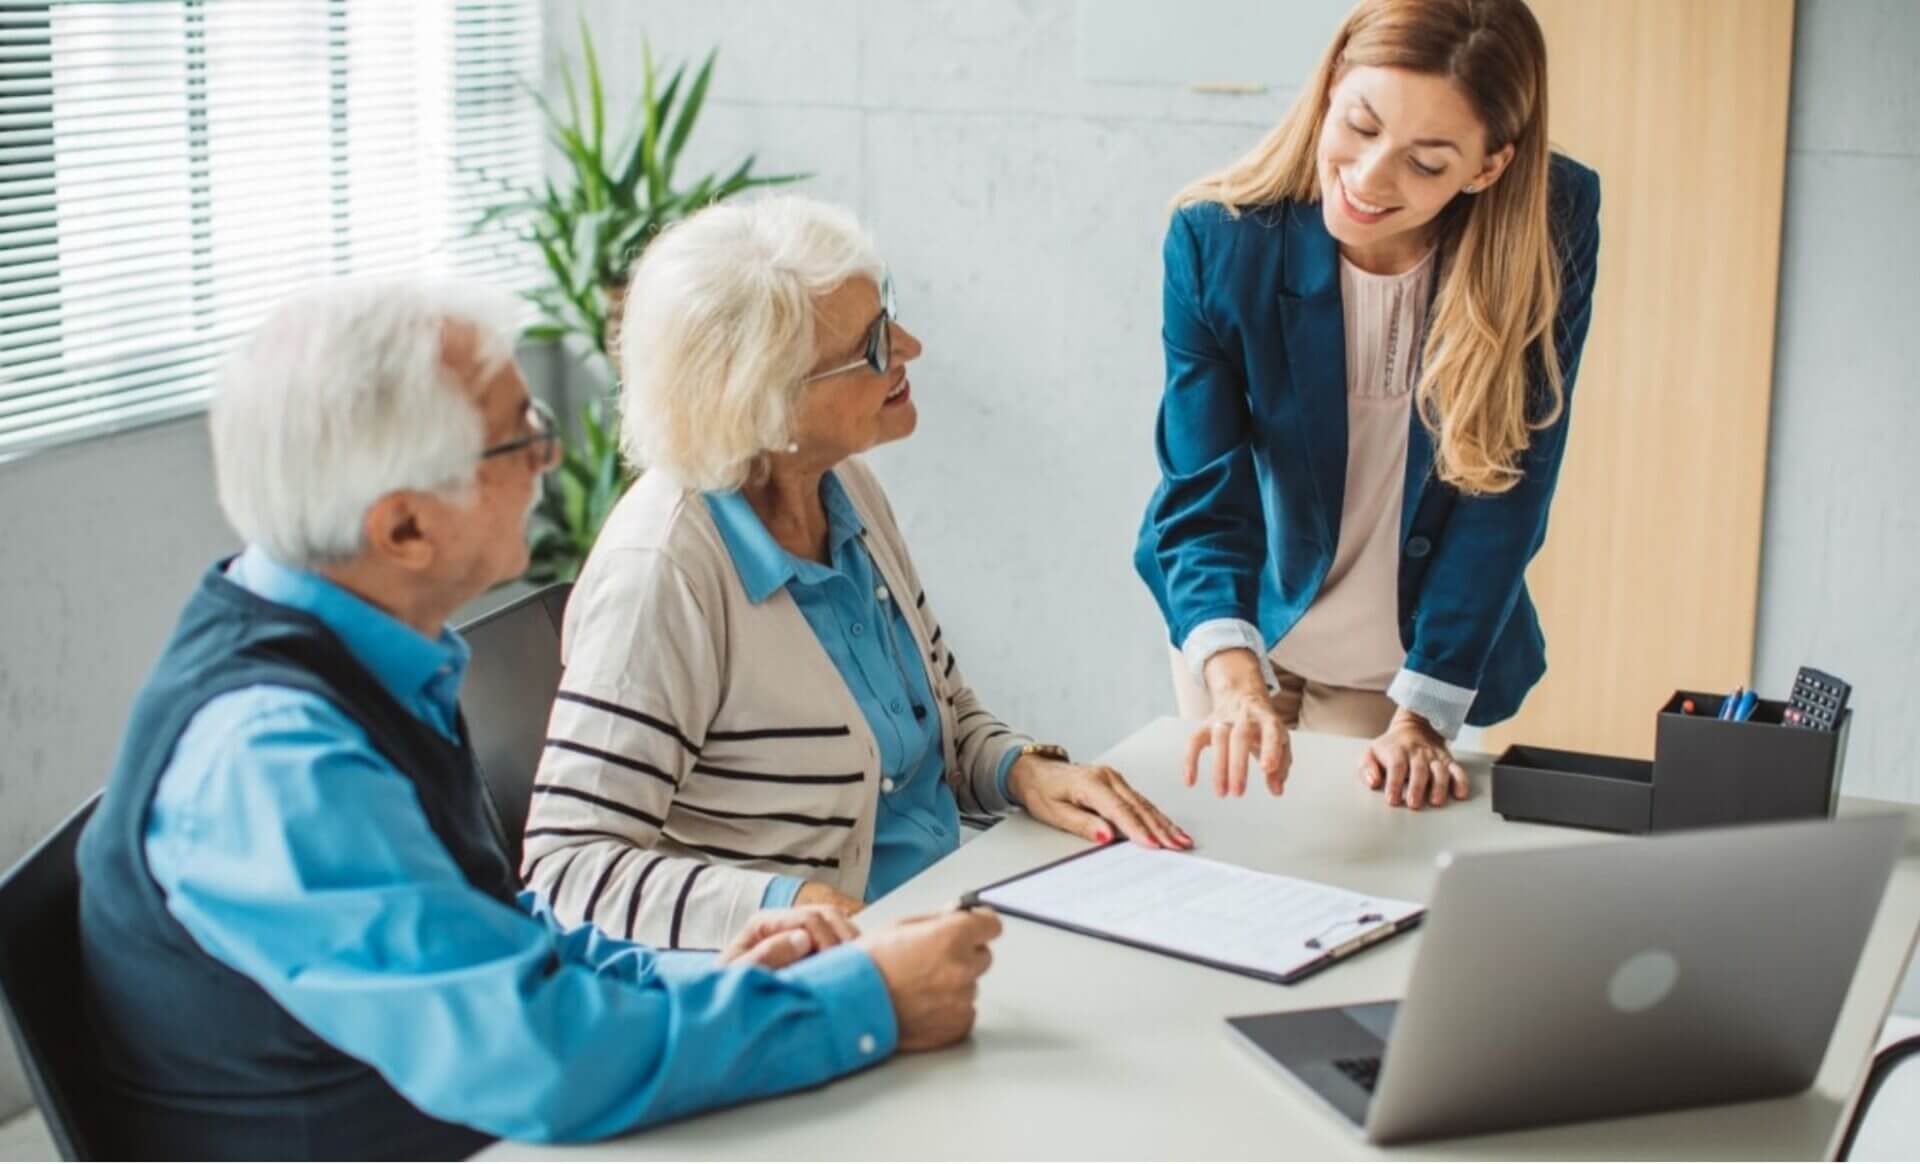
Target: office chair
1886	1121
40	986
507	697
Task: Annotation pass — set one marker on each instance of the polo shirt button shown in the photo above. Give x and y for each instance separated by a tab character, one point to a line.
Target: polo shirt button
858	628
886	785
1418	547
896	707
868	1044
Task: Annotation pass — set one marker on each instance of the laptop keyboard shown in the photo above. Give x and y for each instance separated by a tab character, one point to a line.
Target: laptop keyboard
1364	1071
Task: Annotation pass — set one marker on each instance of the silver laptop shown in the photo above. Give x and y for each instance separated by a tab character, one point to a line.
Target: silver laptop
1604	980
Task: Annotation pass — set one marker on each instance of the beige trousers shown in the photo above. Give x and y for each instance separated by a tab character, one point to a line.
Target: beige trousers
1303	704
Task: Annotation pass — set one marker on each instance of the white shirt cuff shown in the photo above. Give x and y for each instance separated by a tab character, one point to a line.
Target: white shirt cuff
1226	634
1441	704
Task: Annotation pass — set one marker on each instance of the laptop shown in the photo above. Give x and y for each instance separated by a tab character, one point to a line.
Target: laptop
1604	980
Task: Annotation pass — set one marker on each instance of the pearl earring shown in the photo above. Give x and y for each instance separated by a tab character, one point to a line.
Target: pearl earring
793	446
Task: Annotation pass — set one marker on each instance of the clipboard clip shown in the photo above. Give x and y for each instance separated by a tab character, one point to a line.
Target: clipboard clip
1319	940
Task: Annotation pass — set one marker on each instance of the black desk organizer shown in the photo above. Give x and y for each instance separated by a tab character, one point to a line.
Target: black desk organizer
1704	772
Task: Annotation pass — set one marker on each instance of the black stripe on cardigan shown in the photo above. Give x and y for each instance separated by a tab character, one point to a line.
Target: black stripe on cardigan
777	858
948	674
602	801
920	600
844	822
633	899
560	878
659	725
614	758
772	778
680	906
600	886
792	733
970	715
596	834
978	731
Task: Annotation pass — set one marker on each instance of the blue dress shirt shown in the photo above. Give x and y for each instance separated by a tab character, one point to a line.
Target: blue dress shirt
871	645
294	853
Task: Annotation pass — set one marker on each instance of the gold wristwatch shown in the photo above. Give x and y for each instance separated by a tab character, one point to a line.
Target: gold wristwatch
1045	751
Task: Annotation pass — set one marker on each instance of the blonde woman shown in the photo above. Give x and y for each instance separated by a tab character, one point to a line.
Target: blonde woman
759	706
1372	325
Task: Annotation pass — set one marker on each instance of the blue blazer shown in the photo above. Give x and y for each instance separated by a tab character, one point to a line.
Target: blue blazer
1252	442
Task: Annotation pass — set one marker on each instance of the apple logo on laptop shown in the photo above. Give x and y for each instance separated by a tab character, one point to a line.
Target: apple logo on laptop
1642	981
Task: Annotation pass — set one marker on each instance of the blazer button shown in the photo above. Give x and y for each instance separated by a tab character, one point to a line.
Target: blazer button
1418	547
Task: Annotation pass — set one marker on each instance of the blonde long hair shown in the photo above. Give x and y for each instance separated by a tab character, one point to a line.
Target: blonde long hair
1499	283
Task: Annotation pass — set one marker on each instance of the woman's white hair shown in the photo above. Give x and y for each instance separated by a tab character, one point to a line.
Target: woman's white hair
343	394
719	332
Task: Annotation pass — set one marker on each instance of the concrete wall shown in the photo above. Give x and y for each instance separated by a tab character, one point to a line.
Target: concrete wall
1840	576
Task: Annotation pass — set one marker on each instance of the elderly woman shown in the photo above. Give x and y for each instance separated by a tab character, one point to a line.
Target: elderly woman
759	707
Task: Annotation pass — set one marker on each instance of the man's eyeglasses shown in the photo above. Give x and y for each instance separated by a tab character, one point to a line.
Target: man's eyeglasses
879	354
542	439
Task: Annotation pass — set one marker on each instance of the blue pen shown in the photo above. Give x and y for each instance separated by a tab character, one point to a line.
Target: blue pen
1728	704
1748	702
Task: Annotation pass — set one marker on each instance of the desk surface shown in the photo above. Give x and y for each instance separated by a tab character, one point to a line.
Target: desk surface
1085	1049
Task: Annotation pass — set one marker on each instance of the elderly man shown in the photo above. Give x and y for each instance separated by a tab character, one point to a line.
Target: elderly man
301	934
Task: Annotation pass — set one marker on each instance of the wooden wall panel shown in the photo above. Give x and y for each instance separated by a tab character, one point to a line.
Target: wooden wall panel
1650	574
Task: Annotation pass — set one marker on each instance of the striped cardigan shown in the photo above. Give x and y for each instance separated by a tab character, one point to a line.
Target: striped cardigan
701	744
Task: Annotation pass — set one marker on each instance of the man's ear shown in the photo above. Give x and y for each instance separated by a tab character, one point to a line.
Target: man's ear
396	531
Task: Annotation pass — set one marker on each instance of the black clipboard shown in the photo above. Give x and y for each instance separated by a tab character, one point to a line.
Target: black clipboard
1338	953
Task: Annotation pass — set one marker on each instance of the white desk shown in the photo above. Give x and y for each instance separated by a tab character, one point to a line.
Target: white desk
1086	1049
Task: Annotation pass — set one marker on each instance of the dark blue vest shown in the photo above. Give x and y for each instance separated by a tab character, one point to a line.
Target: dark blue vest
199	1061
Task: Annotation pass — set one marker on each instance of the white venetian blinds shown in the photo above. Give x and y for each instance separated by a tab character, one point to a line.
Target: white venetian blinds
170	168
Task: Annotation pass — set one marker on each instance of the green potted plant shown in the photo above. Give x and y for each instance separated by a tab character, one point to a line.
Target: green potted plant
589	227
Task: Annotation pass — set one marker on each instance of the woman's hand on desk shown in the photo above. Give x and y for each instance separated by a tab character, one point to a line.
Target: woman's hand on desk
1082	799
1412	763
1245	731
774	938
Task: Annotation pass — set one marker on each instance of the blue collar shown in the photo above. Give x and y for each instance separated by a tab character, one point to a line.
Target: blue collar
763	564
409	664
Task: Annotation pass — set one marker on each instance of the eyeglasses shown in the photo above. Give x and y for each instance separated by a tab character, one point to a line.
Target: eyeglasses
879	354
542	439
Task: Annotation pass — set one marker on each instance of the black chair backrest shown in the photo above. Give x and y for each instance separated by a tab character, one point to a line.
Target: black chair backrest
40	985
508	696
1885	1063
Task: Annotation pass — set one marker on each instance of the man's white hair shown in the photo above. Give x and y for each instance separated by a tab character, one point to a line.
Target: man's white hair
342	395
719	332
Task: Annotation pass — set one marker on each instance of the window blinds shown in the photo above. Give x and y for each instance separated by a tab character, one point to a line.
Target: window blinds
170	168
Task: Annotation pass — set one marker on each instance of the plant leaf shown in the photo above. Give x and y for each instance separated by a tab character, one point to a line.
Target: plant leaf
696	97
596	99
650	135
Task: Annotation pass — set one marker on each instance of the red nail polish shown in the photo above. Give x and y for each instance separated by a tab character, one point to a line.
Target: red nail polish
1102	836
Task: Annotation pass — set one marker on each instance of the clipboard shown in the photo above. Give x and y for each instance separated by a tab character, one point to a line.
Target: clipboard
1397	917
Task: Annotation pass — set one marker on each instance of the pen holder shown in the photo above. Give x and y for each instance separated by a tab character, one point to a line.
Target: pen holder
1709	771
1705	772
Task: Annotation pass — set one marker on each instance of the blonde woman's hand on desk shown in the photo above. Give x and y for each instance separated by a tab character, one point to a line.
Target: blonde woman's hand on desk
1411	762
932	967
1244	729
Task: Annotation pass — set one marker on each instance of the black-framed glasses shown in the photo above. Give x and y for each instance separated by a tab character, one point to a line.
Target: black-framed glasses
878	356
542	438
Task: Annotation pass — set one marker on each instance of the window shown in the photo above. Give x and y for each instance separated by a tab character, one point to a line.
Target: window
170	168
